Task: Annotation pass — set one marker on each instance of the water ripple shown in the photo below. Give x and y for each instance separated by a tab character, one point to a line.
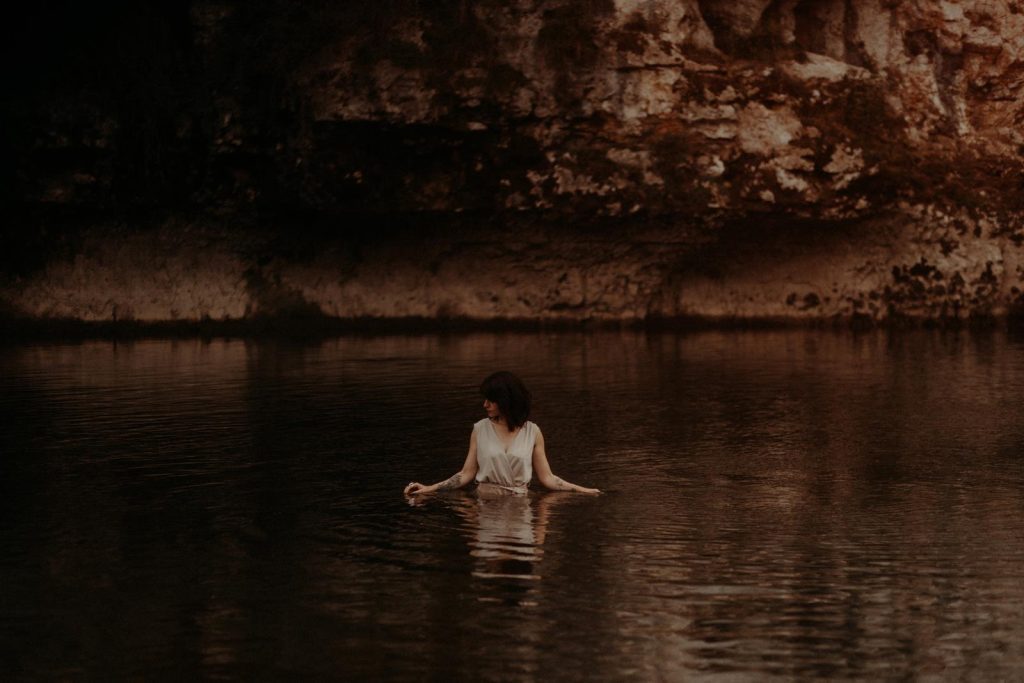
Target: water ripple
792	504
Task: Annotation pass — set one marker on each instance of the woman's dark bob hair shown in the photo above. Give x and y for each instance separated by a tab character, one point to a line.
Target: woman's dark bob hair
511	395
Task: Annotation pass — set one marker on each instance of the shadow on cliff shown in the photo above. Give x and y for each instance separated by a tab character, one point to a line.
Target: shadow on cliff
274	305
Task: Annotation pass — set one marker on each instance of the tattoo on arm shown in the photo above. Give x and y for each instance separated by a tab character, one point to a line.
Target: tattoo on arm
560	485
451	483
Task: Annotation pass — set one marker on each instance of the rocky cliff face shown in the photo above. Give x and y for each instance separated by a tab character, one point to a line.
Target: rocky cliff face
610	160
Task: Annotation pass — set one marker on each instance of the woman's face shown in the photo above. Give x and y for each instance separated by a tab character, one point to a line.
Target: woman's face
492	409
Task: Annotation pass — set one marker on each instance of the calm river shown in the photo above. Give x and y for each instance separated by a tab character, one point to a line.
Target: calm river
784	503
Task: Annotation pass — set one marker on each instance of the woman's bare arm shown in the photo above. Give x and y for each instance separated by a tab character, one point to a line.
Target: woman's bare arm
546	476
456	481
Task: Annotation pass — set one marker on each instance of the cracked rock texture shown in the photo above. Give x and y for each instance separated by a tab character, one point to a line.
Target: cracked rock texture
609	160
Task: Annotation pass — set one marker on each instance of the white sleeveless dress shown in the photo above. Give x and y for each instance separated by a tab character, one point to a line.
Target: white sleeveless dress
510	468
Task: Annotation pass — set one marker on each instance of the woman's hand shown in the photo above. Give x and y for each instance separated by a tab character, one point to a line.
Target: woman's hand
415	488
584	489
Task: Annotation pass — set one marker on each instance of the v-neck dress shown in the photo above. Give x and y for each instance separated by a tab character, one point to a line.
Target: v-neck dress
512	467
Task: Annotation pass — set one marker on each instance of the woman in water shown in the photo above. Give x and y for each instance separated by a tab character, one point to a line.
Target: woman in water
505	448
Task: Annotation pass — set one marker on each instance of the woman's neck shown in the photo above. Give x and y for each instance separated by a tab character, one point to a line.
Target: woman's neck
500	420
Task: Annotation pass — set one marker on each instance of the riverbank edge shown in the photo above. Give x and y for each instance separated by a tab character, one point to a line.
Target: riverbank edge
60	329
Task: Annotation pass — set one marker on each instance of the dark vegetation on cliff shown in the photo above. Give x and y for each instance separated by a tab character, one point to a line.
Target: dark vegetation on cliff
124	111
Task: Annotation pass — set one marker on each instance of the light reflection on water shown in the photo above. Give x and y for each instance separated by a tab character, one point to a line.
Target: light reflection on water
795	503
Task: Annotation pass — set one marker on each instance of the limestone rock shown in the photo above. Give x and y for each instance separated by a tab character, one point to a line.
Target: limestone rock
788	141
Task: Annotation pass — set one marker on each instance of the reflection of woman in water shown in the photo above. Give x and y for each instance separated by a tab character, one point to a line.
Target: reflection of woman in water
505	448
506	537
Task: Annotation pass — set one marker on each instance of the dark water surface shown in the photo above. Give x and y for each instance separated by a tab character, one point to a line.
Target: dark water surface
791	503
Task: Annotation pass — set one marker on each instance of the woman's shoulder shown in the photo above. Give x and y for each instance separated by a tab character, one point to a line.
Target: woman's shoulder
479	424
